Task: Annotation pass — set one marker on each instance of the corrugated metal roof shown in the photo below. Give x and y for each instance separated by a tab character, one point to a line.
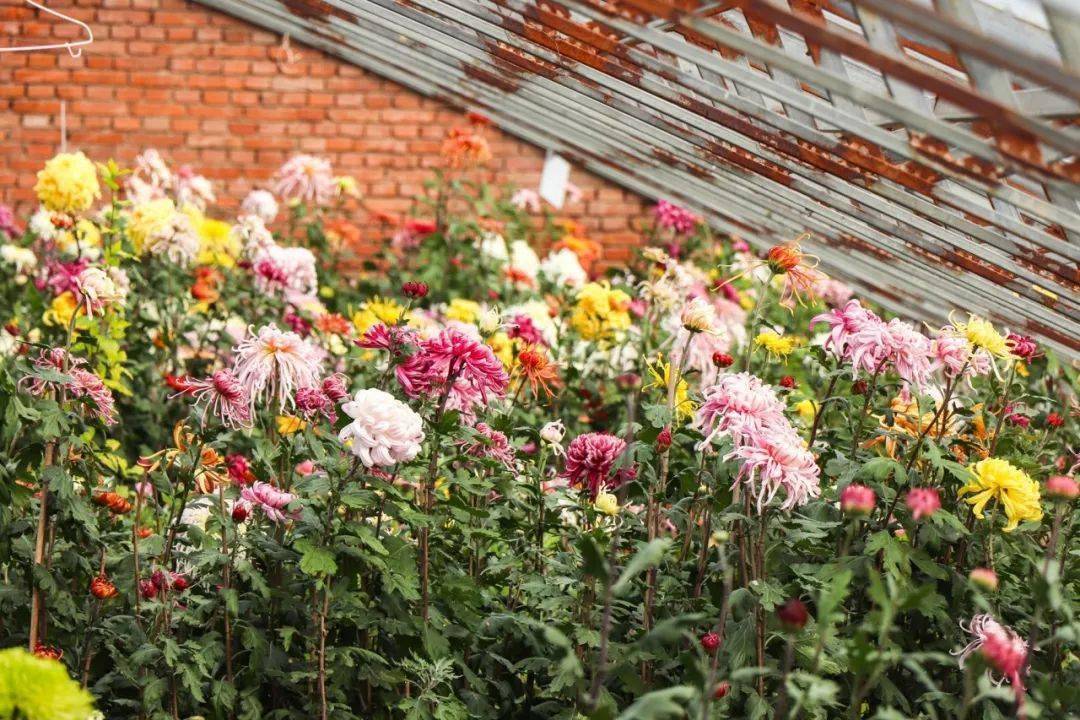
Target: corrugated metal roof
931	149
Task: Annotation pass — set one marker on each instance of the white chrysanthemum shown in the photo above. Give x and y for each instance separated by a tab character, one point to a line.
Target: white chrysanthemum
23	259
384	430
564	268
41	224
253	235
261	204
289	271
492	245
524	259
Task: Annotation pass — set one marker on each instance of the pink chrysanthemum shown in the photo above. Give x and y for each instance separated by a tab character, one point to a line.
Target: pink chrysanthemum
393	339
910	353
80	382
305	178
590	462
522	326
467	364
857	499
923	502
491	444
312	402
739	405
273	364
1004	650
288	272
336	387
223	395
269	499
775	461
8	224
672	217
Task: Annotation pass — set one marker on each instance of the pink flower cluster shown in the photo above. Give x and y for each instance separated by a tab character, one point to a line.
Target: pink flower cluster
672	217
591	460
455	363
78	382
269	499
772	454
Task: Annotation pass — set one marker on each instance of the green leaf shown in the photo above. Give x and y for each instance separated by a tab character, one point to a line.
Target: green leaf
660	704
646	557
315	560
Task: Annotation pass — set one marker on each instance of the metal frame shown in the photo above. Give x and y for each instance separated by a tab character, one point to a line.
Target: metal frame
934	166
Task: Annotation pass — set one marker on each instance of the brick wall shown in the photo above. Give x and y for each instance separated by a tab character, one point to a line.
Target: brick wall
214	92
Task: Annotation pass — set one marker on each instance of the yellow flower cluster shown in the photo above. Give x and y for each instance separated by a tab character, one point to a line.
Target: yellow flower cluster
600	311
217	243
776	345
68	183
148	219
462	310
378	310
1015	491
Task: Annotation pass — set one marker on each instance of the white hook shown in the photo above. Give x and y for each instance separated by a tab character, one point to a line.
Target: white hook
74	47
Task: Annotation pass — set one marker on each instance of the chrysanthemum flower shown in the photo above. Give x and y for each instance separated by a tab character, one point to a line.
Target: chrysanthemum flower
68	183
536	368
1014	490
982	334
675	218
591	463
739	405
39	688
272	364
800	276
384	430
857	499
312	402
305	178
776	345
269	499
1002	648
465	148
777	460
923	502
491	443
79	382
469	366
223	395
260	203
660	372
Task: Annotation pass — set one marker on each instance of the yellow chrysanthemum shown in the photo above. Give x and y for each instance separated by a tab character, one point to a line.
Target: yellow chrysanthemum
84	236
68	183
661	375
982	334
379	310
606	503
462	310
148	219
218	245
503	347
63	308
1015	491
599	312
807	409
776	345
289	424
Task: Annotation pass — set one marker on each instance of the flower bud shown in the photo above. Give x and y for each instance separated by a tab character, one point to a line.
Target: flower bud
788	382
859	387
710	642
793	615
490	321
606	503
663	440
1062	488
553	432
722	360
923	502
147	589
1054	420
984	578
102	589
722	689
698	316
857	500
415	290
240	512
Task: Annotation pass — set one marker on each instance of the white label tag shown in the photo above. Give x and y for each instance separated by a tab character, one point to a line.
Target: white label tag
554	179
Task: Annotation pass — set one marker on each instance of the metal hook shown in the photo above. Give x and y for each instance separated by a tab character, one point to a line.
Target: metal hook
74	47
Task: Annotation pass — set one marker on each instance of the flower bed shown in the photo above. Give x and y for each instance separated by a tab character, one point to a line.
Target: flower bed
479	477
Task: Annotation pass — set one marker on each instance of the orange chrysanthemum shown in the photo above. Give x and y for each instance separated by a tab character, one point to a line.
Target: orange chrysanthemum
333	323
466	147
535	368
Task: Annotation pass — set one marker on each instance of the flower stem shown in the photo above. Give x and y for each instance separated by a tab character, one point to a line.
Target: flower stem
37	603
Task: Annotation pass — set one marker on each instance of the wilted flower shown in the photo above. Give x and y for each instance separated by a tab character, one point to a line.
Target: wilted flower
553	432
384	430
465	147
536	368
79	382
269	499
312	402
923	502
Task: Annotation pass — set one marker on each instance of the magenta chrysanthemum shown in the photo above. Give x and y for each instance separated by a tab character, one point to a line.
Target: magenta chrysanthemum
469	366
491	444
223	395
672	217
273	364
1004	650
312	402
591	460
